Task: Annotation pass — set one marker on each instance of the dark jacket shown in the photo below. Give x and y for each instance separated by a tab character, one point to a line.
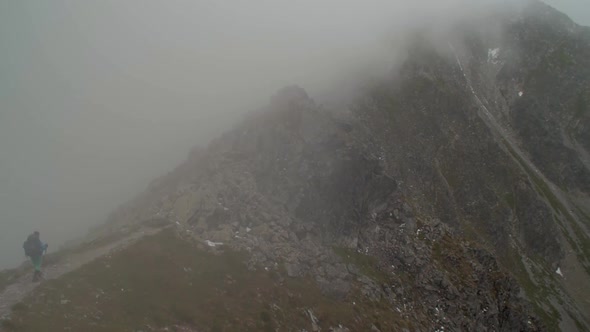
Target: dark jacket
35	246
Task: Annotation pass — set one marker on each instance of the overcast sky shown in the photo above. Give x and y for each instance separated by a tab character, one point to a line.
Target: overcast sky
99	97
577	10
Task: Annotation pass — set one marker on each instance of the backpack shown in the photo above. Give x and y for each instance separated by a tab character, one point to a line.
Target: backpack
30	247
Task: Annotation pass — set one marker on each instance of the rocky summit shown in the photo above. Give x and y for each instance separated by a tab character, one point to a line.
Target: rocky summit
452	195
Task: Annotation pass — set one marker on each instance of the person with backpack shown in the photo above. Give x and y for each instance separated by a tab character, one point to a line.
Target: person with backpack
34	249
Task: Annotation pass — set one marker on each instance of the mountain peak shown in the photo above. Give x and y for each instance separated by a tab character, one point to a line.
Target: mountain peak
455	199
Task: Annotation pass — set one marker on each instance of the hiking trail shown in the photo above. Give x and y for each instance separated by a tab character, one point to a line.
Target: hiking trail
23	286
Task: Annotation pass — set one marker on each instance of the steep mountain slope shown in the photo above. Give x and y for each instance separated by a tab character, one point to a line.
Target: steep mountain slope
451	196
483	130
305	199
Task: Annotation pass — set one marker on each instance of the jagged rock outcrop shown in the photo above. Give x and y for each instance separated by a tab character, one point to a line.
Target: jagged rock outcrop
308	191
451	191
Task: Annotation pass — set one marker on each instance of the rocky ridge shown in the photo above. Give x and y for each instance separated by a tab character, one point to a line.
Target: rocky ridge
452	191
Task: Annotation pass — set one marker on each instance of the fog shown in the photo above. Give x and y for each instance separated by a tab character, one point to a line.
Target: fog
99	97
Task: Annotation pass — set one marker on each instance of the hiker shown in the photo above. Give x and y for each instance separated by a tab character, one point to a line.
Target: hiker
35	249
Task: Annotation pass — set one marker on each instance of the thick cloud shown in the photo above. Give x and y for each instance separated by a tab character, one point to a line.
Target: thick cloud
98	97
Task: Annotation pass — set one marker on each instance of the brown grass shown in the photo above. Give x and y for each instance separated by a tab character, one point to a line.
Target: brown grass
163	281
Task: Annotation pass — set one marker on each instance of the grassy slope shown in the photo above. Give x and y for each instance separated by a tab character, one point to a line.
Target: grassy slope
162	281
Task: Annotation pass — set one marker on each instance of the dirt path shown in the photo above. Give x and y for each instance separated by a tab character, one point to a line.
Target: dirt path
17	291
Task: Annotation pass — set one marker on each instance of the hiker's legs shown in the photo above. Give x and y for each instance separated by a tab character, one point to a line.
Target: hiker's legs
37	260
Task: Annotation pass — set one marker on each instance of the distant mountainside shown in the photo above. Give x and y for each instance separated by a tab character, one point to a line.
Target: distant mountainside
451	196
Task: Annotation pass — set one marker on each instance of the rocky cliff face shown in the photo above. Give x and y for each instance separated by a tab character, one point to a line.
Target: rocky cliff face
455	191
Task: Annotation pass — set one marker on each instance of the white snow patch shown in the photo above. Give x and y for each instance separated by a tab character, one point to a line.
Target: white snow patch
213	244
520	93
558	271
248	229
493	54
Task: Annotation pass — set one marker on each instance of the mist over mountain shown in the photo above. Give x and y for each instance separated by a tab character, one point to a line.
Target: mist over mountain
107	96
429	170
